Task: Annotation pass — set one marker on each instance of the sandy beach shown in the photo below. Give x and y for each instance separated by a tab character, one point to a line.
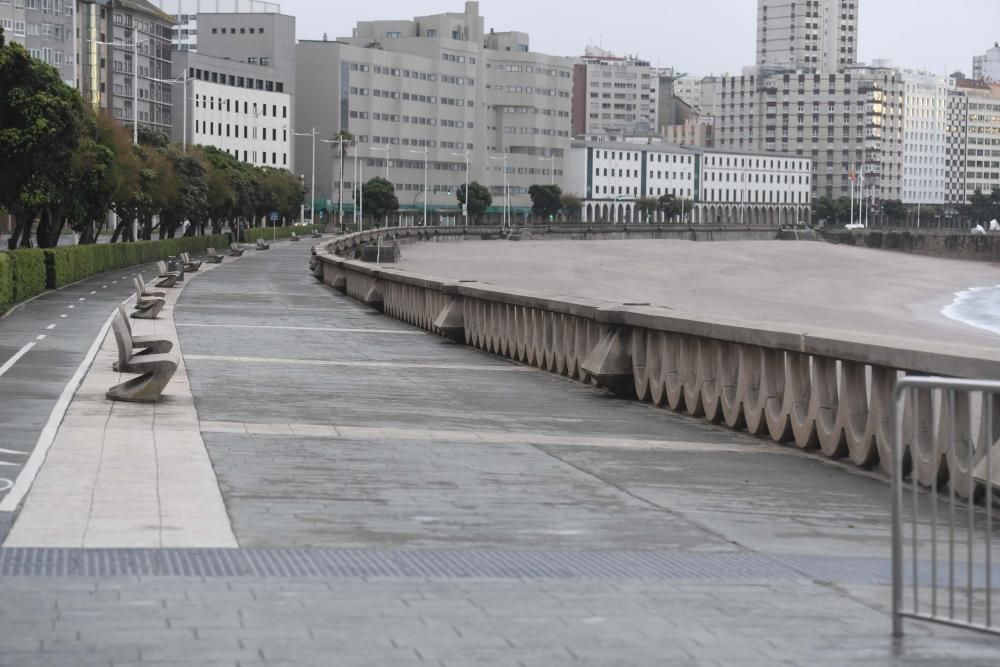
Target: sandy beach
799	284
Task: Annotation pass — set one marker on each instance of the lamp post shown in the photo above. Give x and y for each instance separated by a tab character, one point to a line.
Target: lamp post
552	168
339	141
426	154
135	76
312	188
506	195
467	155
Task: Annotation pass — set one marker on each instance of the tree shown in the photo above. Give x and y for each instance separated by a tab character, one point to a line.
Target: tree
379	198
572	206
645	208
480	199
893	210
40	128
545	200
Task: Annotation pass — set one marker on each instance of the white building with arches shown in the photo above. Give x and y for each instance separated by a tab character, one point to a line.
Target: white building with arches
715	186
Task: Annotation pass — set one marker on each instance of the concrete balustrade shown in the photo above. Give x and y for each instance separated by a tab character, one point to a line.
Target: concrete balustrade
827	391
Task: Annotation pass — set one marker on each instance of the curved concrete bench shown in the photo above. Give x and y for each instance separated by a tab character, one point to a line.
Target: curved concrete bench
154	370
188	264
131	346
167	278
145	291
147	307
235	250
214	257
295	237
263	246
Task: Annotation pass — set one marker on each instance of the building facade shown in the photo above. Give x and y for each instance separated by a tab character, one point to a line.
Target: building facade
973	148
925	137
852	120
727	187
124	45
45	29
185	14
614	95
987	66
807	35
696	131
688	89
436	91
240	88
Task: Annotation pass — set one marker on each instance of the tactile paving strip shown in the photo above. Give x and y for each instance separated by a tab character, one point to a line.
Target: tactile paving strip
444	564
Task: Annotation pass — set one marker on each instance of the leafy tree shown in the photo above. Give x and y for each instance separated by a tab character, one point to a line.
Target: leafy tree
40	119
893	210
545	200
670	206
480	199
379	199
572	206
645	208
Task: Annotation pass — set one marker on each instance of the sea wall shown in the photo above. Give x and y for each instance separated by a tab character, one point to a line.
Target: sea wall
936	243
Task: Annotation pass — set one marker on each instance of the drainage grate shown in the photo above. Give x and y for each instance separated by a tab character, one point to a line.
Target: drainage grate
439	564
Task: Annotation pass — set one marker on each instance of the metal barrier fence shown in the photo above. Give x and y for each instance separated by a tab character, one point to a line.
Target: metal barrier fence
944	431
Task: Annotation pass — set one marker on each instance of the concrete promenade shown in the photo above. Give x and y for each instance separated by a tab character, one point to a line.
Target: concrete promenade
394	498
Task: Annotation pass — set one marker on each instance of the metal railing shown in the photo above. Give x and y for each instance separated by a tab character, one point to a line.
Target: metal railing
944	431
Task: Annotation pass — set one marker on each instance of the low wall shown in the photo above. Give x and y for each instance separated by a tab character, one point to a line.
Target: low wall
351	243
937	243
824	390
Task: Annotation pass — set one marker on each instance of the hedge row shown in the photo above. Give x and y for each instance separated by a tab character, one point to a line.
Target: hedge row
270	233
27	273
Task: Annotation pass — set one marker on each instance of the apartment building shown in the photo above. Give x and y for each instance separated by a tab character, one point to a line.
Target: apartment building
614	94
851	120
240	87
925	135
124	45
987	66
807	35
45	29
694	131
688	89
185	14
973	148
438	91
720	186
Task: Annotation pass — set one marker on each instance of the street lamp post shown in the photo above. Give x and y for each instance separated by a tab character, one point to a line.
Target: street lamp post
135	76
426	154
312	188
339	141
467	155
505	219
552	168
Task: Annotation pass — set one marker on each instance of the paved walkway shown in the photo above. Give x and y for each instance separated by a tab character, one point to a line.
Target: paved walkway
399	499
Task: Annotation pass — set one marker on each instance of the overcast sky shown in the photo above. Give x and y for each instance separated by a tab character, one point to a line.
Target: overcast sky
700	37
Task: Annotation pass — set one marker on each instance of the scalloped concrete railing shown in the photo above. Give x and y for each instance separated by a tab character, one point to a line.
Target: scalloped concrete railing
830	391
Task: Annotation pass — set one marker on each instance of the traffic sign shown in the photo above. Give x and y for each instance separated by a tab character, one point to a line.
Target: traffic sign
274	216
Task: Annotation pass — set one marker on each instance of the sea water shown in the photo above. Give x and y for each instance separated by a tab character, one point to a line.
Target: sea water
978	307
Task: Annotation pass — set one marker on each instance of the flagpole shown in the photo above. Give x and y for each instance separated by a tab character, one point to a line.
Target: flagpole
851	176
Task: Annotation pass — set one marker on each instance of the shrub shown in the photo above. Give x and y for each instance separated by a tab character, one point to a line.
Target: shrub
6	284
27	270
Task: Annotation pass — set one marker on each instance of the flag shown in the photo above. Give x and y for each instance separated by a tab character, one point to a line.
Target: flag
853	175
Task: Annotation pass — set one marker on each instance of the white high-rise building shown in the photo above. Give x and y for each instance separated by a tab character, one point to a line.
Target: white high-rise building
987	66
925	136
807	35
431	102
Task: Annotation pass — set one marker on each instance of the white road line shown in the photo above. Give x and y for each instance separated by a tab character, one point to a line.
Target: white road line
72	307
13	452
45	440
42	337
83	298
93	292
51	327
104	287
17	356
264	326
64	316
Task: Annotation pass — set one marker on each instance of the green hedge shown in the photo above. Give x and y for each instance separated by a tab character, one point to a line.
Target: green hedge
67	265
6	284
269	233
27	271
